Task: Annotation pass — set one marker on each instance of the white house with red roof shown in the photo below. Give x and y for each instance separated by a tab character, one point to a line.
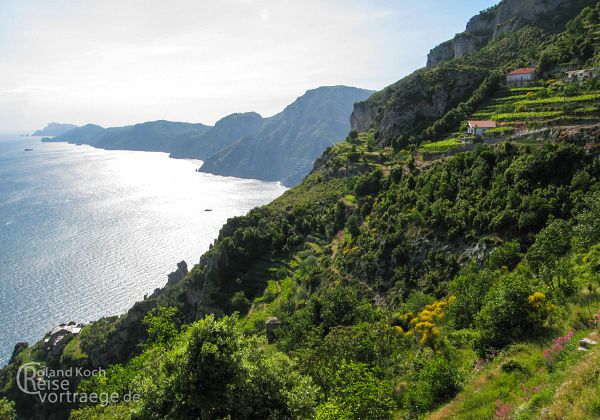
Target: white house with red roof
477	128
521	77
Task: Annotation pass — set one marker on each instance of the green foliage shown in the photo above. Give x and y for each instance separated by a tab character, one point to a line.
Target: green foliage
506	314
339	306
506	255
216	372
357	394
368	184
240	303
353	226
441	146
7	409
161	324
437	381
544	257
577	46
469	289
588	222
453	118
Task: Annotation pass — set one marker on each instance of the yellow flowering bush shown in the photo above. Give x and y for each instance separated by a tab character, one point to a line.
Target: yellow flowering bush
425	325
541	308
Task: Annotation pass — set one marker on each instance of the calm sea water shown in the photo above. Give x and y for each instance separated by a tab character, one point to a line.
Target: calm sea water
84	233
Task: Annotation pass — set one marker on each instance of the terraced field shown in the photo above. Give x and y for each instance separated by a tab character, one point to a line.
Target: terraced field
555	103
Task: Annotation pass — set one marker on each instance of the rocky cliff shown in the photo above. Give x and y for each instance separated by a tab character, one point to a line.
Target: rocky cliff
411	104
508	15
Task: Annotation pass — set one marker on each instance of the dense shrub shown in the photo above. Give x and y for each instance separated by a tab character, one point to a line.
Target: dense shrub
588	222
437	381
357	394
469	290
506	314
506	255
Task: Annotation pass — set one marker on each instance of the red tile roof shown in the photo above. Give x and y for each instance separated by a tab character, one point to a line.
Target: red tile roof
525	70
483	124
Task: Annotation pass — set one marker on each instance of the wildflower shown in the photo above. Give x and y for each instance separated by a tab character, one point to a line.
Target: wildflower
503	410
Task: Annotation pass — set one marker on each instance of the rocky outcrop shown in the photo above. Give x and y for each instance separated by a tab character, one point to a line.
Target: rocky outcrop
178	275
508	15
18	348
271	326
363	116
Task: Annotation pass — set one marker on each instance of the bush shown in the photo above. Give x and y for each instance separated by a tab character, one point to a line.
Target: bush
545	257
506	255
437	381
240	303
339	306
506	314
161	324
368	184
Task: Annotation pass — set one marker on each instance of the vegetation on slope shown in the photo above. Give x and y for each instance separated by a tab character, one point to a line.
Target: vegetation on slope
400	285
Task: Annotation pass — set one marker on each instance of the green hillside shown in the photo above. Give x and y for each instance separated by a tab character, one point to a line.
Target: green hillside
405	287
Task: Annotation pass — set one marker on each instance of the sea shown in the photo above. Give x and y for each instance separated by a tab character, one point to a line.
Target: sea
85	233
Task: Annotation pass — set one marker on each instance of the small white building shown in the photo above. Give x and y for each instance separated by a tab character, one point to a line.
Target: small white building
521	77
477	128
581	75
55	338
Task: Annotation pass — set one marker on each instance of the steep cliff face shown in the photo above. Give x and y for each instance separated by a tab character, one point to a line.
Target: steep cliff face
508	15
413	103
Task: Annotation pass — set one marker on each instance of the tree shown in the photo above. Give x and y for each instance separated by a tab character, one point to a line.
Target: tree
545	257
213	371
506	255
588	223
161	324
506	314
437	381
469	289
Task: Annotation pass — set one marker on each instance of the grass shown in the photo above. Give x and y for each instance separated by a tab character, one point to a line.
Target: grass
570	388
579	395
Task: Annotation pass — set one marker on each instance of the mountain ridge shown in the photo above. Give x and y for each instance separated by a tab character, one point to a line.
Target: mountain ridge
279	148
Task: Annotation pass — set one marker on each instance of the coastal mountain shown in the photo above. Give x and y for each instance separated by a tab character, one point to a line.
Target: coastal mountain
280	148
79	135
54	129
226	131
154	136
404	277
287	144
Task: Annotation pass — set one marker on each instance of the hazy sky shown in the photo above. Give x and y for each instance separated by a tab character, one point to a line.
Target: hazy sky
116	62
